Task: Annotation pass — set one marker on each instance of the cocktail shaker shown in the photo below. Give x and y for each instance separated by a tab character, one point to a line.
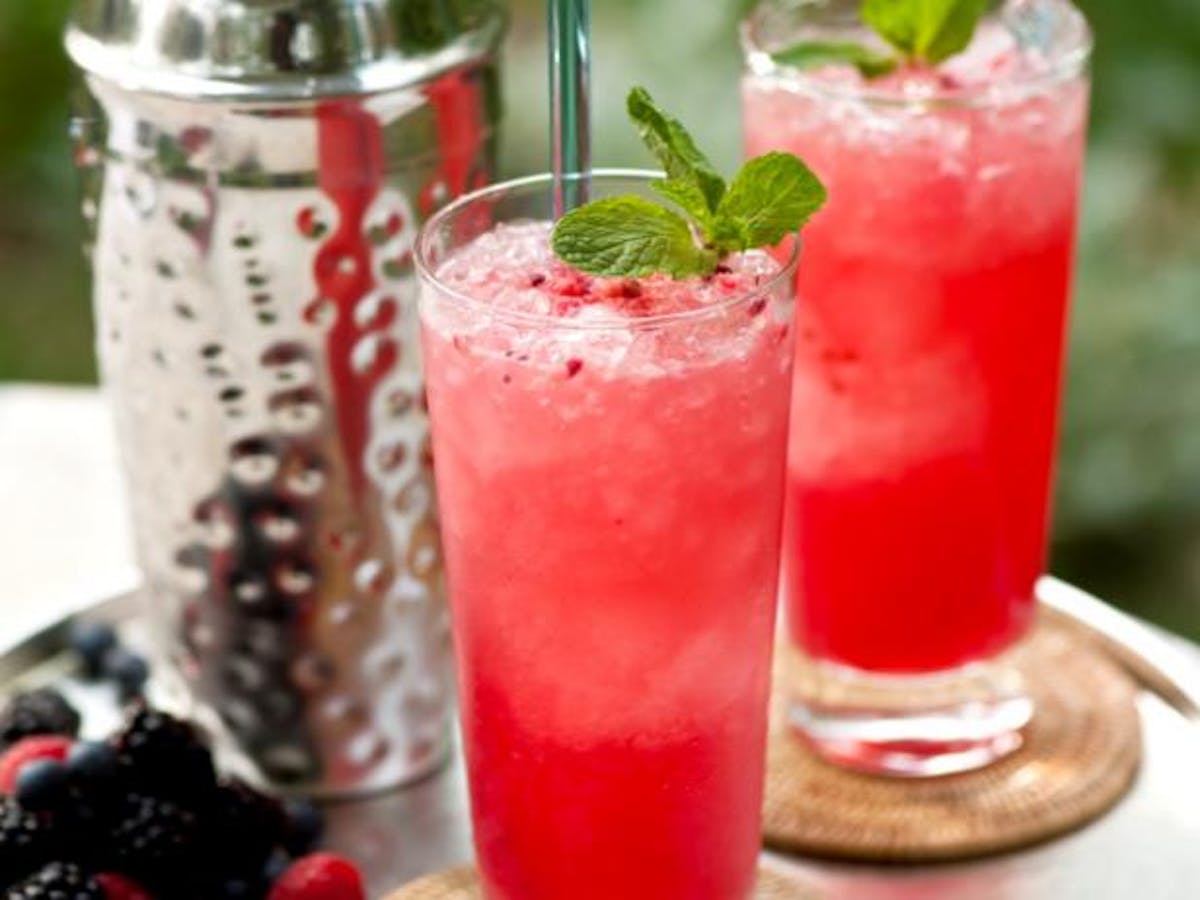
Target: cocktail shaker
254	174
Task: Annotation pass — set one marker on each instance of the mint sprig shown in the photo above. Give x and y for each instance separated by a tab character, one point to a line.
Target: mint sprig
769	198
688	170
922	32
925	30
630	236
814	54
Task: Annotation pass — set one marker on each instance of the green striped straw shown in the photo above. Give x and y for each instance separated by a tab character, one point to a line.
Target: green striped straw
570	115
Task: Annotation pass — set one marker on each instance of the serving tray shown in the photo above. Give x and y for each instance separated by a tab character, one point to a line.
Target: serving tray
1146	848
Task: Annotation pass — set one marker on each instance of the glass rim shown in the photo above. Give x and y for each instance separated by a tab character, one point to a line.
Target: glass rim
1062	68
425	272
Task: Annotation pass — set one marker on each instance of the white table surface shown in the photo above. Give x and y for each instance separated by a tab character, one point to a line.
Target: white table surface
64	534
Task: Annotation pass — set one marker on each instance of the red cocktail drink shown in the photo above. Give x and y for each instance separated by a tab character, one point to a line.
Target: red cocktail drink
929	363
610	457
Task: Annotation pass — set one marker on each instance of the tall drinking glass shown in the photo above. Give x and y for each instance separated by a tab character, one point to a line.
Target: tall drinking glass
609	455
928	369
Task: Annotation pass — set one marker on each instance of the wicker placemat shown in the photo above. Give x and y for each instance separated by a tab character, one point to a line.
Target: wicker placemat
461	884
1080	756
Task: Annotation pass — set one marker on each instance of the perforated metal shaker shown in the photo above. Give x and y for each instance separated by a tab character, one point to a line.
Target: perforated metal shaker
254	174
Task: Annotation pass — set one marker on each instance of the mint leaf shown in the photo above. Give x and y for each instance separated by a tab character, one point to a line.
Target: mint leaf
670	142
629	236
771	197
927	30
949	28
895	21
688	197
811	54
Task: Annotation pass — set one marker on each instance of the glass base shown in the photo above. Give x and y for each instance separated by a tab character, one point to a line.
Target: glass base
911	726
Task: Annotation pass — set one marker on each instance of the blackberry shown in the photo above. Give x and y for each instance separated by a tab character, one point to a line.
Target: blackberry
43	711
27	842
240	827
58	881
153	840
165	757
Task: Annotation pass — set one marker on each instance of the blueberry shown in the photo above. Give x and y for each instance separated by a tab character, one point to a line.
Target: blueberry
237	889
92	763
305	826
128	670
41	784
92	641
276	865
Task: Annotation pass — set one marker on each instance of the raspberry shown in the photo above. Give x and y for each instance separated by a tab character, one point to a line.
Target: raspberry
568	283
118	887
621	289
57	881
319	876
43	711
26	750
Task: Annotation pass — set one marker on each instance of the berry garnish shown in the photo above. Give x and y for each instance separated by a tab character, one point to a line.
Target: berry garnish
41	785
92	765
238	887
319	876
165	756
127	670
241	827
27	842
26	750
118	887
43	711
153	839
57	881
304	827
92	641
145	809
276	866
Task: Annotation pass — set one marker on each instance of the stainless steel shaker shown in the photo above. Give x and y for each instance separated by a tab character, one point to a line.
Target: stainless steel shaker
254	173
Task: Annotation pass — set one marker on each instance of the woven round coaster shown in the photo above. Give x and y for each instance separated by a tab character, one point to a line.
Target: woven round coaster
1080	755
461	884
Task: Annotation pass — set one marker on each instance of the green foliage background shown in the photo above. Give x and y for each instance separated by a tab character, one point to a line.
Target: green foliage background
1128	524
